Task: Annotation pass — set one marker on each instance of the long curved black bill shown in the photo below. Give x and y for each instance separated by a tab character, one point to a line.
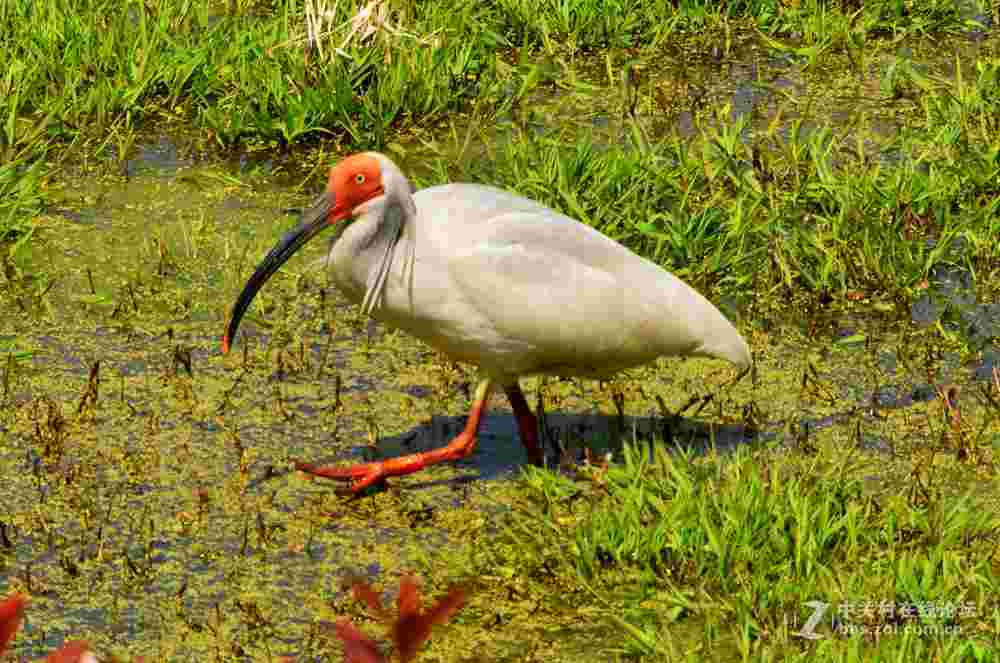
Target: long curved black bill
314	221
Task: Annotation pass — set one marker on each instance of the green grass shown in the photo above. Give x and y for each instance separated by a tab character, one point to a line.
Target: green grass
238	77
738	546
21	198
576	25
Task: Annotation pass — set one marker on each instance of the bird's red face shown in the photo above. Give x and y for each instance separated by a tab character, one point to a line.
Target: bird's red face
353	182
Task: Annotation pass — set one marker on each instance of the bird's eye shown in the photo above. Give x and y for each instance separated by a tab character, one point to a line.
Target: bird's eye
359	178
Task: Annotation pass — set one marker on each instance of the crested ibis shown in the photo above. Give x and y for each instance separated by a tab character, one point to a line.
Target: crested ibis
494	279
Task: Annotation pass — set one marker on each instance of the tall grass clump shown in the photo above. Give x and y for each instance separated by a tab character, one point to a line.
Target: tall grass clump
275	75
581	25
739	548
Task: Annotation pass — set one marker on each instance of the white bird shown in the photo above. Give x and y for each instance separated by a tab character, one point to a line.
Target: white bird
497	280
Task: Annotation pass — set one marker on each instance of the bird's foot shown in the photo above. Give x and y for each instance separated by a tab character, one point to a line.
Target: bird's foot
367	474
360	476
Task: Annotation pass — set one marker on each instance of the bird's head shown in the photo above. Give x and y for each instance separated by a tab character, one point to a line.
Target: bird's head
353	183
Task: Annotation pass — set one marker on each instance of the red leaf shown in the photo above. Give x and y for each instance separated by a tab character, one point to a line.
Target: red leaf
413	627
10	616
358	647
365	592
409	601
410	628
76	651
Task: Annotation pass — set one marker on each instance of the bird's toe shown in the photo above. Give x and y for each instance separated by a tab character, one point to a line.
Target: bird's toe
360	476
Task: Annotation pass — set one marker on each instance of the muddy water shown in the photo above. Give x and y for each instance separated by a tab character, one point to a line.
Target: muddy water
144	497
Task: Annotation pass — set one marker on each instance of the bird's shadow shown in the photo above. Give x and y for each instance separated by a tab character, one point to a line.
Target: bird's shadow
499	452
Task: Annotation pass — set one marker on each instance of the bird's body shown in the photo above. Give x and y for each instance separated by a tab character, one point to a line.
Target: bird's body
494	279
497	280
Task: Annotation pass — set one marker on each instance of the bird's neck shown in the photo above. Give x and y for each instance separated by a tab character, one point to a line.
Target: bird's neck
368	248
383	222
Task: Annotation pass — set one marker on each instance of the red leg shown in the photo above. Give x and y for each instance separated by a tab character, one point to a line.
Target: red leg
363	475
527	424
